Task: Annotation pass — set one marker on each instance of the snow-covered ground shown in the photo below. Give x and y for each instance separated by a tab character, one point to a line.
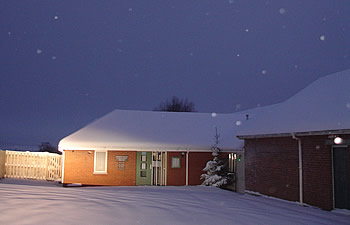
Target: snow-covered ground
41	202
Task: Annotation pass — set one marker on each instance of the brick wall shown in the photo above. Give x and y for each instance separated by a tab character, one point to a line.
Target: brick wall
271	168
197	162
317	172
79	168
176	176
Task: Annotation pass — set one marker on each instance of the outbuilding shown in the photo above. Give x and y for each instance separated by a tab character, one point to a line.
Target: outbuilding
299	150
151	148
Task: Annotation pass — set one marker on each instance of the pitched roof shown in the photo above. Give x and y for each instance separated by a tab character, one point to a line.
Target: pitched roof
324	105
149	130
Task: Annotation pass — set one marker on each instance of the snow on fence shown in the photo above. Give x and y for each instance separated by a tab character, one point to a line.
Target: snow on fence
2	163
33	165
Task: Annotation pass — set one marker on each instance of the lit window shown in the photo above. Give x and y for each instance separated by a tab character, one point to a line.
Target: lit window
100	162
175	162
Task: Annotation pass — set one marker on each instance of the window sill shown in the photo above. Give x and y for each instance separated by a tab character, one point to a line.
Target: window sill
100	173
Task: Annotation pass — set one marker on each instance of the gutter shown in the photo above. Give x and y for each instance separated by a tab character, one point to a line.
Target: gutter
300	169
307	133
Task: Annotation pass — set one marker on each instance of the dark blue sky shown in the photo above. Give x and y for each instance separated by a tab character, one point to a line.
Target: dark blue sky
65	63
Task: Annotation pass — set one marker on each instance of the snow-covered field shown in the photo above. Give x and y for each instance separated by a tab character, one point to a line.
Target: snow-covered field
41	202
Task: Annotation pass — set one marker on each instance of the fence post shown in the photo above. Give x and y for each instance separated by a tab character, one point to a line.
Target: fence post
2	163
46	166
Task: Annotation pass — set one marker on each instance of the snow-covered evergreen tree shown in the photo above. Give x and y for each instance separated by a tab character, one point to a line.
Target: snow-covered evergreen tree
216	174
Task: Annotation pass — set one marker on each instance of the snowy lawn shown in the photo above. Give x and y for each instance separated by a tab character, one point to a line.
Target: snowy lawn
41	202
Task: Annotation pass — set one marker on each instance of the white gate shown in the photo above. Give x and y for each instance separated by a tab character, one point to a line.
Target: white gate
33	165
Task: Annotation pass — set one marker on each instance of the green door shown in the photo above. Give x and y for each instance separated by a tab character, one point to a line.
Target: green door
143	168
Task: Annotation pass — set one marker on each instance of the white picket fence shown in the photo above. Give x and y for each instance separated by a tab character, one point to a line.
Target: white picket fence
33	165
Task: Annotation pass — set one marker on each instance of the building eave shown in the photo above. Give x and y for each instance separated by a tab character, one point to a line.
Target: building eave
154	149
308	133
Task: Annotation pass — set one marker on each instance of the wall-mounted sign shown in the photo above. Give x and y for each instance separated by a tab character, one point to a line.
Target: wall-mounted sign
121	165
121	158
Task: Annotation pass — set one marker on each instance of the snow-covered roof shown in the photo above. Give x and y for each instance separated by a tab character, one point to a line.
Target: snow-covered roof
321	107
149	130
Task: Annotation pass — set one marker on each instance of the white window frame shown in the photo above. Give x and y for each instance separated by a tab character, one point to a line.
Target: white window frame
105	170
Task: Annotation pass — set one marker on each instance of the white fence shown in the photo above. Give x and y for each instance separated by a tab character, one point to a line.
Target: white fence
32	165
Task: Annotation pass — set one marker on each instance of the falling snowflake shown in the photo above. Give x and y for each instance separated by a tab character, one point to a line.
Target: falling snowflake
9	33
264	72
130	9
207	13
246	30
296	66
39	51
191	53
324	18
213	114
231	1
322	38
238	106
282	11
53	57
318	147
238	123
55	17
238	55
348	105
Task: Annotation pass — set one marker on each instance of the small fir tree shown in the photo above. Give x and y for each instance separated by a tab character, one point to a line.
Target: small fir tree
216	174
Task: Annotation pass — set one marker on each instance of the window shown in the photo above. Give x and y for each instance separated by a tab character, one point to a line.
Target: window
143	156
175	162
100	162
143	173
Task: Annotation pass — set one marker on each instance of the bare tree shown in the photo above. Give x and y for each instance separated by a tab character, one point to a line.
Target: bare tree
176	104
47	147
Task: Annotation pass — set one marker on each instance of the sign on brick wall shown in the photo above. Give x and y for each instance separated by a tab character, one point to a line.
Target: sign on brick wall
122	158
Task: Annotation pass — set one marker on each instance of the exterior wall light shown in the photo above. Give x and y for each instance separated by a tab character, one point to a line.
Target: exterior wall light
338	140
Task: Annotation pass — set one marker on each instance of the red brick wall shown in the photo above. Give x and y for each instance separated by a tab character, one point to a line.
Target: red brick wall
317	172
197	162
79	168
271	168
176	176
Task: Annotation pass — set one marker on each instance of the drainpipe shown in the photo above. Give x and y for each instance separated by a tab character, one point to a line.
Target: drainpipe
300	169
187	167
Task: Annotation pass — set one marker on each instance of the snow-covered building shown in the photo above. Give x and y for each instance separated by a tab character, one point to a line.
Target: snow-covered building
299	150
150	148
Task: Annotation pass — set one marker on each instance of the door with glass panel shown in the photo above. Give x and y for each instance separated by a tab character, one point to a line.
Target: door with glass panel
159	168
143	168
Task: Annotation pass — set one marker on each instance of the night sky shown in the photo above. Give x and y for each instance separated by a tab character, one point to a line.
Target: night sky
65	63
